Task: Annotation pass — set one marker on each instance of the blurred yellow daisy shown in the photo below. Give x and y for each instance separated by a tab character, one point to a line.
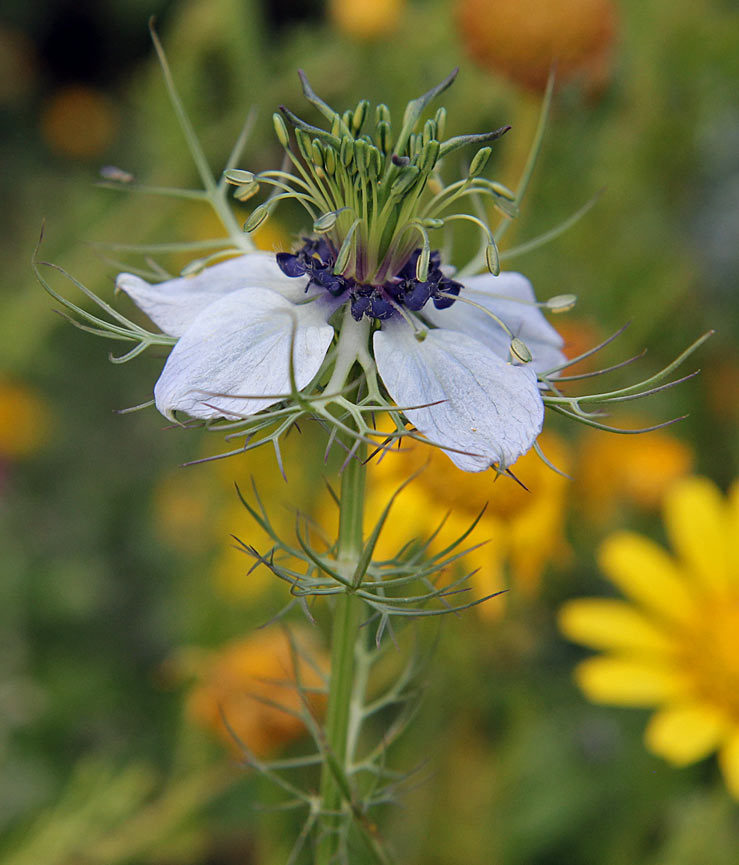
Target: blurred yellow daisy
255	688
521	530
632	469
24	420
197	510
365	19
674	644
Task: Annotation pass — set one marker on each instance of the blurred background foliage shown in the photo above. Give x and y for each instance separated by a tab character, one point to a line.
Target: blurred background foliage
122	601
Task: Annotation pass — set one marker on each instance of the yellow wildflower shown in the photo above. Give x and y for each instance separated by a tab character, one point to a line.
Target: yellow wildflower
674	644
636	469
257	686
520	527
365	19
197	510
24	420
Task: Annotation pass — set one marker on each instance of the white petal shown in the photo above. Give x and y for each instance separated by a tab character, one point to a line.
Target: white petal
488	408
234	360
507	296
175	304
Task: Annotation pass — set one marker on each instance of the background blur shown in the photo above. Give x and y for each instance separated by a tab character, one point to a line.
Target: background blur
119	588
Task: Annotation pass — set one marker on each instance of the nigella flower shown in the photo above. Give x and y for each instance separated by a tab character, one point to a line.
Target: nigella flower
244	328
365	316
458	357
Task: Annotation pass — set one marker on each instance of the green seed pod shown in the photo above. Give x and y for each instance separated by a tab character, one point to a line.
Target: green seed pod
336	125
430	222
237	177
281	130
479	161
520	351
561	303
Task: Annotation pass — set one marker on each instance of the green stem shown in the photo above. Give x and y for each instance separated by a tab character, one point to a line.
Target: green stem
347	619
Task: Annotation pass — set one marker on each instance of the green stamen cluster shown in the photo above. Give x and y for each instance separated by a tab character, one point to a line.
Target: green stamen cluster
373	195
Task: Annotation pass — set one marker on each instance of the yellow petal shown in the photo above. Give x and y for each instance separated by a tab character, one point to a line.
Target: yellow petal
628	682
685	733
606	624
644	571
733	530
696	520
728	759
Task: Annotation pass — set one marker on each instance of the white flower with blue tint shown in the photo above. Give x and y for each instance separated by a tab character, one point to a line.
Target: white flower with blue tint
244	329
364	317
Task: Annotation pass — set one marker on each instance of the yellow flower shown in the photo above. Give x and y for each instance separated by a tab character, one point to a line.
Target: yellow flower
522	40
674	644
197	510
249	686
24	420
520	527
365	19
636	469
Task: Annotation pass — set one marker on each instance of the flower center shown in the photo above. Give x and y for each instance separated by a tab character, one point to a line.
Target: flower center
316	259
711	653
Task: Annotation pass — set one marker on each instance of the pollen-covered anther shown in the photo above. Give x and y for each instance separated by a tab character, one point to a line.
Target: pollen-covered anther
520	351
561	303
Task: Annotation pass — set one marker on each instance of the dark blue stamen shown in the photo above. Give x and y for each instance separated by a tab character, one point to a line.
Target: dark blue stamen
316	258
